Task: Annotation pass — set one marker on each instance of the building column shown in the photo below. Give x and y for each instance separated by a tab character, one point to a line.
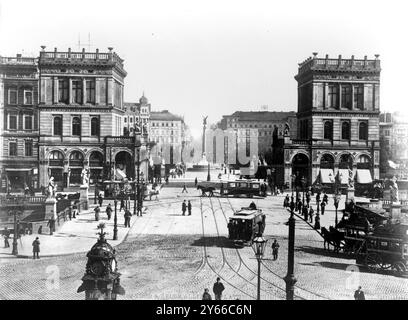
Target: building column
70	91
352	96
339	106
55	100
326	95
83	91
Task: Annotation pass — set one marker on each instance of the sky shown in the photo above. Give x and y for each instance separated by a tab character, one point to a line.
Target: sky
211	57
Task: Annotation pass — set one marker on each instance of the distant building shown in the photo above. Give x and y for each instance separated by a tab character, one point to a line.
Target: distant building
168	132
338	122
19	123
394	144
264	121
136	114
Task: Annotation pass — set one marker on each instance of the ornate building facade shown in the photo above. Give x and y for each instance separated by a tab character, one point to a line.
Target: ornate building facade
19	123
338	121
81	118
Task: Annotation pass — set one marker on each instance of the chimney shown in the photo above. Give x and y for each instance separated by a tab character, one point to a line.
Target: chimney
43	48
18	55
315	55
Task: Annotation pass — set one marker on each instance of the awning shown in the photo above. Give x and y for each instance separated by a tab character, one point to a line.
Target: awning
364	176
326	176
18	169
343	175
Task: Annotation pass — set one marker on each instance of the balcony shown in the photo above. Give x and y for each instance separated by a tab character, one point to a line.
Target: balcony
302	142
339	64
18	61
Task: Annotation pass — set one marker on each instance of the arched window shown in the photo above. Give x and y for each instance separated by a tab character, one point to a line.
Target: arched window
363	131
96	159
364	159
94	126
328	130
76	126
345	130
76	159
57	126
56	159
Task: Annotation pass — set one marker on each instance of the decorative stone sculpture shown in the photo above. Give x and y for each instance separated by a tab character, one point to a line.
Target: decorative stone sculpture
51	188
394	190
85	177
351	179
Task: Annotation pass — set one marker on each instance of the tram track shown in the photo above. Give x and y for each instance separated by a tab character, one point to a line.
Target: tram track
209	264
270	270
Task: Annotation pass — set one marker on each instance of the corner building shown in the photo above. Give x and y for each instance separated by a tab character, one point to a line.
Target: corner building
338	121
81	111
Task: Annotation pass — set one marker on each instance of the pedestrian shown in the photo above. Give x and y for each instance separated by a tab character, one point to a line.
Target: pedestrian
317	197
359	294
36	248
311	214
299	206
275	249
127	216
286	201
100	200
70	214
325	198
218	288
317	221
74	210
122	205
195	182
97	211
206	295
184	207
184	188
6	237
305	213
252	206
308	199
51	225
322	206
292	205
189	208
109	211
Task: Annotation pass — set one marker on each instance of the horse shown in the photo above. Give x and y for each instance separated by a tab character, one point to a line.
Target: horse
204	190
153	191
332	237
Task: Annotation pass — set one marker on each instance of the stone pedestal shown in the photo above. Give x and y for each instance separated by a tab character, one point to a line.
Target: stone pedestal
349	195
50	208
83	197
395	212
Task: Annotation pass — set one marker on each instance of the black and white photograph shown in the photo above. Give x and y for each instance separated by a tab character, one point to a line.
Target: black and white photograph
203	150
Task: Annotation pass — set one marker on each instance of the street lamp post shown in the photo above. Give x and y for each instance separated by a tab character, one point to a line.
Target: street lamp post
290	276
115	220
258	245
303	181
16	229
336	206
293	176
137	167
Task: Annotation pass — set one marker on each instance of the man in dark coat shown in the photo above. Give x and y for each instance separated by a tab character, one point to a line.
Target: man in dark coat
127	216
311	214
322	206
326	198
184	188
6	238
195	182
184	207
275	249
36	248
305	213
189	208
286	201
218	289
100	200
359	294
97	211
51	225
109	211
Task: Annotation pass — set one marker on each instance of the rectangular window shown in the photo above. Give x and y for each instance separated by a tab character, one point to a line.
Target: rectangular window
12	122
12	96
77	91
359	97
28	122
13	148
90	91
63	91
346	96
333	96
28	148
28	97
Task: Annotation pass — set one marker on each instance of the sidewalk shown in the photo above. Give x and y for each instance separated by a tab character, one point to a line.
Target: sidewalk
75	236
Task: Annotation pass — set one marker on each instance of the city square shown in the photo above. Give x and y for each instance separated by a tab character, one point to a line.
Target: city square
181	159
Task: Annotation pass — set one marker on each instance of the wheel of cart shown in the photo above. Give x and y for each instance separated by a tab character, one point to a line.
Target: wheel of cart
373	261
399	268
